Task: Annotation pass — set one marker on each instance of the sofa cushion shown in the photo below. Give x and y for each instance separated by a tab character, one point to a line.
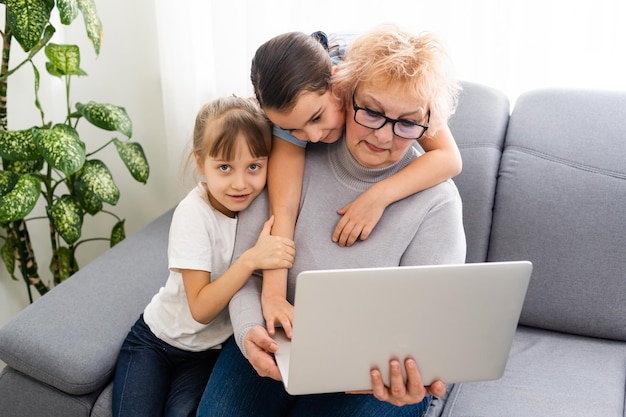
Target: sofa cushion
479	126
103	406
87	323
23	396
560	203
548	374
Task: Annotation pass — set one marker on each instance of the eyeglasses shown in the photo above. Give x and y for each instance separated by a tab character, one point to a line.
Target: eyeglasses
375	120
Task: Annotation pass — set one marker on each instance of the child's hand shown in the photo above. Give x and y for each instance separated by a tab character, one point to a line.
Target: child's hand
359	219
277	310
272	252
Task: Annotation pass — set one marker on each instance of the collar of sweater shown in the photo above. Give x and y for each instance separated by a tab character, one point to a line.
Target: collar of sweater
355	175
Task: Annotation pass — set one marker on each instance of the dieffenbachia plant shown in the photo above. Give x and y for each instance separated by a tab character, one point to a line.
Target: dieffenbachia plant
50	161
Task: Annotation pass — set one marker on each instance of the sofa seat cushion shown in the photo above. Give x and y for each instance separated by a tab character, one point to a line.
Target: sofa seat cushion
104	404
549	374
24	396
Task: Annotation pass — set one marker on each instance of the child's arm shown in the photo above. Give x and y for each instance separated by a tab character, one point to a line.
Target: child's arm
284	185
441	161
207	299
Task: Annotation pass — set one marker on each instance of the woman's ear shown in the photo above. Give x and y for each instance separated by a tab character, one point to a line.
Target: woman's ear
333	70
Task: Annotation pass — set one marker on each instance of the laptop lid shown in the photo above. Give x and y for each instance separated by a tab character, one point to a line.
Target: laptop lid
456	321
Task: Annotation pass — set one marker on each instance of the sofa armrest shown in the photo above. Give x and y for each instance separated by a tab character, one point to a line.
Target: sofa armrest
70	338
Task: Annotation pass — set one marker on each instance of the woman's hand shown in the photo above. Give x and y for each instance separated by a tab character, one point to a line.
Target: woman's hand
260	349
400	393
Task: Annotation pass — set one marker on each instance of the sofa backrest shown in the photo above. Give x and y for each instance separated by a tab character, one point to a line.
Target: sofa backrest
479	126
561	203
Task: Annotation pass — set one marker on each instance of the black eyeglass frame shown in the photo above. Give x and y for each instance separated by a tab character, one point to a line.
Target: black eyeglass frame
390	120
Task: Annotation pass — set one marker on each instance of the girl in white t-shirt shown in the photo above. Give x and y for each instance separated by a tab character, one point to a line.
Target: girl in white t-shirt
167	357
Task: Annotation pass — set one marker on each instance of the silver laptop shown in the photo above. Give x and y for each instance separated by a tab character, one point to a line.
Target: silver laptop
456	321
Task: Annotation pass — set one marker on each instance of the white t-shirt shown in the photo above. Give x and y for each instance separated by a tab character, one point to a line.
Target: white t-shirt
201	238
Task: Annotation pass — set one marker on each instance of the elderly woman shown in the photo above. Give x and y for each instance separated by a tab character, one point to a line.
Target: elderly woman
394	85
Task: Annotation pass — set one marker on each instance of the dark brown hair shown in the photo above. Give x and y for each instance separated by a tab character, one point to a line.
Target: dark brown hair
287	65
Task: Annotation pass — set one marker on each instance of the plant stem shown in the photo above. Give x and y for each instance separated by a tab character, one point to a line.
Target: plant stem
67	99
54	265
100	148
92	239
24	254
26	258
112	214
4	69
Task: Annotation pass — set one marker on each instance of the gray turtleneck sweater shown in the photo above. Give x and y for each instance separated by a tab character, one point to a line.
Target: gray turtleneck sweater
423	229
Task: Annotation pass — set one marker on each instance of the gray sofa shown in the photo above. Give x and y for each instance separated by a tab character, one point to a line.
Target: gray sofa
547	184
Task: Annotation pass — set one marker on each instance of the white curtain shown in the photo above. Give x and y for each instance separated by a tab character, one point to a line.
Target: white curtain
205	46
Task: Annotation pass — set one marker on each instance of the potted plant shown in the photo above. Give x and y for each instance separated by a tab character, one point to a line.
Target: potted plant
49	160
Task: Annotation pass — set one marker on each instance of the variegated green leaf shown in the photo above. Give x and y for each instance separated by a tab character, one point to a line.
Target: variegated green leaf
52	70
68	10
23	167
37	84
8	180
27	20
67	218
87	200
64	60
61	147
118	233
92	22
134	158
48	32
7	252
17	203
96	179
107	117
18	145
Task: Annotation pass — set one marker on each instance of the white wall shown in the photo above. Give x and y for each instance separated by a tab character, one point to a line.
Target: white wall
126	74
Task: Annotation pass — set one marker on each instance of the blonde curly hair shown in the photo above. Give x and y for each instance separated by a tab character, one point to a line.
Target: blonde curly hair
419	62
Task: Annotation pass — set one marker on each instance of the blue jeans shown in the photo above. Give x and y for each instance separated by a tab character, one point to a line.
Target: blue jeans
155	379
235	389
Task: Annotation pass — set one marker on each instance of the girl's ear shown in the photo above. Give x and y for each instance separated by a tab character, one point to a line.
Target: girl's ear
333	70
199	162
